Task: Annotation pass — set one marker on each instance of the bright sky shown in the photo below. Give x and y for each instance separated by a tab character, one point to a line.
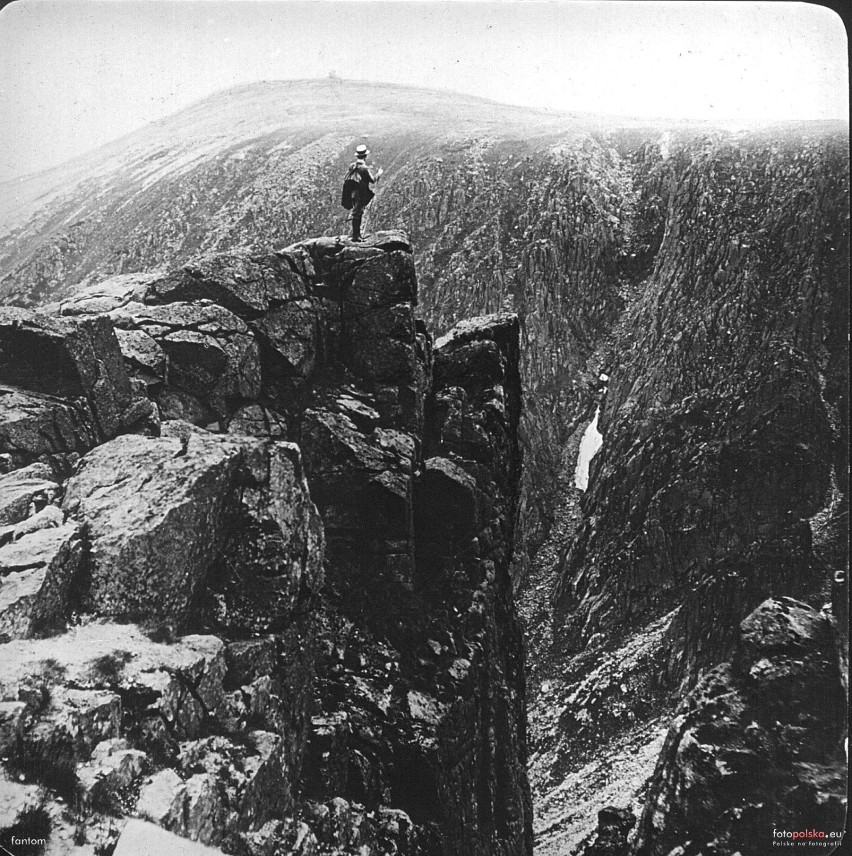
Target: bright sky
77	73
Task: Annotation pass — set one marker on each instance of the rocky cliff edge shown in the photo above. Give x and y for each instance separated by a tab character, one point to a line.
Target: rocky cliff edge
255	533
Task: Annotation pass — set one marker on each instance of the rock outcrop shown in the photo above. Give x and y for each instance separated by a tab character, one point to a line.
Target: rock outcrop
72	359
38	569
757	748
161	512
263	600
64	389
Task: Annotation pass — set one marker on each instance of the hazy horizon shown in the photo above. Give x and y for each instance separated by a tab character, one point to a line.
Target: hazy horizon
663	121
76	76
564	111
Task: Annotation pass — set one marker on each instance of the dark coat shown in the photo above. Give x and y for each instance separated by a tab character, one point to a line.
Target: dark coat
365	192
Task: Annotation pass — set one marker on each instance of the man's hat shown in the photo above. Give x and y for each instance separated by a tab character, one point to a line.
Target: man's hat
361	152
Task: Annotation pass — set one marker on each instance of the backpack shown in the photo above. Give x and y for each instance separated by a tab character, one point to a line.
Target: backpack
351	188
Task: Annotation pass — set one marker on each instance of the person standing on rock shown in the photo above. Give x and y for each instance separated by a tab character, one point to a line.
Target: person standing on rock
357	194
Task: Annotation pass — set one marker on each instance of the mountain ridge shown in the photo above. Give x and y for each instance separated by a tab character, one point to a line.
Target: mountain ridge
31	187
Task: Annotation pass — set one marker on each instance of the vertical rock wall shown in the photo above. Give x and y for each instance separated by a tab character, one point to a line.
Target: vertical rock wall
725	422
279	600
722	481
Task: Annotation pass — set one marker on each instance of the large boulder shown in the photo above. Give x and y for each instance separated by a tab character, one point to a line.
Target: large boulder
255	420
143	354
109	294
36	572
210	351
34	427
169	515
152	508
71	359
246	285
747	752
24	491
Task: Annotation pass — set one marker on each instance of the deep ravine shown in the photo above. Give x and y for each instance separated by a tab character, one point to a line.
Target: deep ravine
717	486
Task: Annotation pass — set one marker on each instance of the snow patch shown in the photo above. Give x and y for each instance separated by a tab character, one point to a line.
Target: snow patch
589	447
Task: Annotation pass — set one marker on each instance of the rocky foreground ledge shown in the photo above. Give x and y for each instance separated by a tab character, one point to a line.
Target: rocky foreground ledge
254	543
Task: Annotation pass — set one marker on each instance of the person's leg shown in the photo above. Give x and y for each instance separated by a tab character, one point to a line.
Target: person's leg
357	214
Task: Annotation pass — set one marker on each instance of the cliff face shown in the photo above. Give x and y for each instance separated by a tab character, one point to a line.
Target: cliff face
721	481
256	542
726	418
748	753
